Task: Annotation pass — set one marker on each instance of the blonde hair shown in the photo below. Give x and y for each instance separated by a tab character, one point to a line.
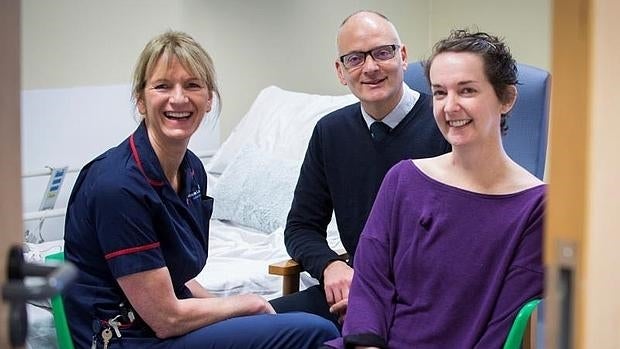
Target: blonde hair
189	53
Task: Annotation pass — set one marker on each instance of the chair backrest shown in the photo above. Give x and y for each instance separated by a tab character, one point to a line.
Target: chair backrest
63	334
526	140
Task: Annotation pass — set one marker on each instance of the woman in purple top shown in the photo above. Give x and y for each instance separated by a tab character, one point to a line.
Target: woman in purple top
453	246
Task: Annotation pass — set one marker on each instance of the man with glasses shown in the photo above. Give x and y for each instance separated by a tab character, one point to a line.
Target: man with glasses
349	153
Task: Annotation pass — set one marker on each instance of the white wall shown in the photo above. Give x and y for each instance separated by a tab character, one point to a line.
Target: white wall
290	43
524	24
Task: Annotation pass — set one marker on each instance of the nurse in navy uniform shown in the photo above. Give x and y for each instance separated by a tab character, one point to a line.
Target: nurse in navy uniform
137	228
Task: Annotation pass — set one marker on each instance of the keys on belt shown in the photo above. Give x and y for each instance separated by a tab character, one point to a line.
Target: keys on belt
106	334
112	327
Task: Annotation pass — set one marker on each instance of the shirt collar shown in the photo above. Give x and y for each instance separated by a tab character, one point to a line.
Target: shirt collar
404	106
143	154
148	163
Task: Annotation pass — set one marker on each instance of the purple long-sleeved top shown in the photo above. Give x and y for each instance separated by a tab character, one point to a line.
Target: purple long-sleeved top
442	267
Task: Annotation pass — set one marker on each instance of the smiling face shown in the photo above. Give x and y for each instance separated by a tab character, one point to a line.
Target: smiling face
173	102
378	84
465	105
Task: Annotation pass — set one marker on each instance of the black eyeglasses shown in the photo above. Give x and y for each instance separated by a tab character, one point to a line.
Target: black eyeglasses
379	54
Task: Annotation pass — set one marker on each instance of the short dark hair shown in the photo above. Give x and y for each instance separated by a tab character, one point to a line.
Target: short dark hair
499	66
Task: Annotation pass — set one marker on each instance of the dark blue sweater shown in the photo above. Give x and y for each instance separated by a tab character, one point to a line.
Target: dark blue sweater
342	171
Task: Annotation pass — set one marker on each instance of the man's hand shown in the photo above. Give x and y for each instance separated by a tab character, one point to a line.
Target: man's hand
337	278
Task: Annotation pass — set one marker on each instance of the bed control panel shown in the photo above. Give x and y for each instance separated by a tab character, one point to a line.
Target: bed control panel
57	176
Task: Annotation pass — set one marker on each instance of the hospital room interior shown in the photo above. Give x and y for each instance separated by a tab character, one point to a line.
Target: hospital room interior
275	68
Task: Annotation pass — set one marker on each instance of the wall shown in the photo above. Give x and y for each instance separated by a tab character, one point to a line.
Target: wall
525	24
291	44
602	305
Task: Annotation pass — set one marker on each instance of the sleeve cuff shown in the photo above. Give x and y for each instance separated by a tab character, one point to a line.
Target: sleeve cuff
328	261
364	339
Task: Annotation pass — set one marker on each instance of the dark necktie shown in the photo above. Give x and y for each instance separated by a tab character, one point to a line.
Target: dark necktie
378	130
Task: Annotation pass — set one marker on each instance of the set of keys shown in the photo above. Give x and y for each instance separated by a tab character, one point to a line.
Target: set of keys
127	315
107	334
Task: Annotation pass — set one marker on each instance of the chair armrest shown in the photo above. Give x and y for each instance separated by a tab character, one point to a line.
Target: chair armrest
290	270
283	268
520	326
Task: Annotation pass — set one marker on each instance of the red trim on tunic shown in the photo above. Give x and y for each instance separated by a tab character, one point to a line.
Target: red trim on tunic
131	250
136	157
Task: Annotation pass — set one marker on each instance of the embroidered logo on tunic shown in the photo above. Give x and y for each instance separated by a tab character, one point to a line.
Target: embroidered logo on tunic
194	195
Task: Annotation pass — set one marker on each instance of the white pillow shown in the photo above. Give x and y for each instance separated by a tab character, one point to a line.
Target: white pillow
279	122
256	190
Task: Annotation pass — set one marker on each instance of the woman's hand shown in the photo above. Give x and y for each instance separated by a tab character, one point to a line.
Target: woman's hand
340	309
251	304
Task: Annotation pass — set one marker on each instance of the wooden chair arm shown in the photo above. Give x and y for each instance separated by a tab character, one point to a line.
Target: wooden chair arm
288	267
290	270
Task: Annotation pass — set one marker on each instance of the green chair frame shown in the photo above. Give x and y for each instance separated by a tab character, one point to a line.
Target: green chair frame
63	334
515	335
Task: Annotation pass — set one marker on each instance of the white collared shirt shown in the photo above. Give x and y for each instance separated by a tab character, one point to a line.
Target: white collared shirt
393	118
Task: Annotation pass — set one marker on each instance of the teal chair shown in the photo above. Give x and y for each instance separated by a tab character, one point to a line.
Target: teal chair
63	335
519	326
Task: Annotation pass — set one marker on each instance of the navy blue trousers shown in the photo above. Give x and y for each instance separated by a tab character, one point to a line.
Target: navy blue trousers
311	300
281	331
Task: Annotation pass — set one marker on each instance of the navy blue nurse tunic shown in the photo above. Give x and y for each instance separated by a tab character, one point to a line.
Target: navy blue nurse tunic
123	217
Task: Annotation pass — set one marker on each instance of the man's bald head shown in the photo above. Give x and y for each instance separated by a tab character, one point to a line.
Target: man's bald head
376	80
366	18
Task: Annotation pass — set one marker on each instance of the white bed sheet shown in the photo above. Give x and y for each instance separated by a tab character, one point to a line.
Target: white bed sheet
41	330
239	259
